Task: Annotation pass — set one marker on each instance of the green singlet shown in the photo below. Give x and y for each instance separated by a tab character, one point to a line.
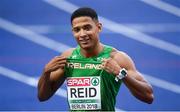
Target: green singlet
89	86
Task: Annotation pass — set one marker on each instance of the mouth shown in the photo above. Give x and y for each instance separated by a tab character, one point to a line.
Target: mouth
84	41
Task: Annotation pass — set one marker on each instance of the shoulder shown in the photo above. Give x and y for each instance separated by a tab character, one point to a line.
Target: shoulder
122	58
118	54
68	52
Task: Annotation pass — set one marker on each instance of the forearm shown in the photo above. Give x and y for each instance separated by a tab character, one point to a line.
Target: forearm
44	87
140	89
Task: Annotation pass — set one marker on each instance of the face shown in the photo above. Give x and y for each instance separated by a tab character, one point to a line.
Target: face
86	31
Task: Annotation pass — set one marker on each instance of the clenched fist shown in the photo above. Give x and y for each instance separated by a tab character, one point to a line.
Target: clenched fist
111	66
55	63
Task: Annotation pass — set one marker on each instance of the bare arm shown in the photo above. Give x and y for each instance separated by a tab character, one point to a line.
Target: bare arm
135	82
139	87
52	77
46	86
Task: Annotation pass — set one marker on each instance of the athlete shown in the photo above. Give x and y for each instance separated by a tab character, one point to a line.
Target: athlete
93	71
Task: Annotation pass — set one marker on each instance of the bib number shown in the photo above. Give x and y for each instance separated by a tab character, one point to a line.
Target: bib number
84	93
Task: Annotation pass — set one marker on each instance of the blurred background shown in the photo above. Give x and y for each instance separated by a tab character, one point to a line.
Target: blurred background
34	31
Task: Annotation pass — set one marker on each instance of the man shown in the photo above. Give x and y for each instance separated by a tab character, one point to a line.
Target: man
93	71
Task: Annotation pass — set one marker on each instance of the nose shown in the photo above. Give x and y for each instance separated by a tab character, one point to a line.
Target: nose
82	33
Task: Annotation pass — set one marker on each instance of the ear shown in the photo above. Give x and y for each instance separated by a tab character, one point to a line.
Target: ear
100	26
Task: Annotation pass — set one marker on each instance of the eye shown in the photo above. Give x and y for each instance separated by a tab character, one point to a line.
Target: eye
76	30
87	27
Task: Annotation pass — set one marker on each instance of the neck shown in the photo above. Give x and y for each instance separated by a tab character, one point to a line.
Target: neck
92	52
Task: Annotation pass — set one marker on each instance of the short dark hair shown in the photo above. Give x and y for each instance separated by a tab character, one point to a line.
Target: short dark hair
84	11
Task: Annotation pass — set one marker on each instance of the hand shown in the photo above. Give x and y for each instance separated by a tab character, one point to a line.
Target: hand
111	66
55	63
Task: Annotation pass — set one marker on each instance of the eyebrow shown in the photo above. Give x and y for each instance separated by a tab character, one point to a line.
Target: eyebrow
81	26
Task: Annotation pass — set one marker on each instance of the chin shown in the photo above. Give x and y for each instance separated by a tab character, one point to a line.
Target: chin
86	47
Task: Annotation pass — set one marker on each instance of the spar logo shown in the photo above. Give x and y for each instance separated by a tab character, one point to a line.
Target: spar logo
83	81
78	82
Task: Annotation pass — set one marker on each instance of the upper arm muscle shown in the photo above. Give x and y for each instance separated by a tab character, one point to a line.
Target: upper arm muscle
126	62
